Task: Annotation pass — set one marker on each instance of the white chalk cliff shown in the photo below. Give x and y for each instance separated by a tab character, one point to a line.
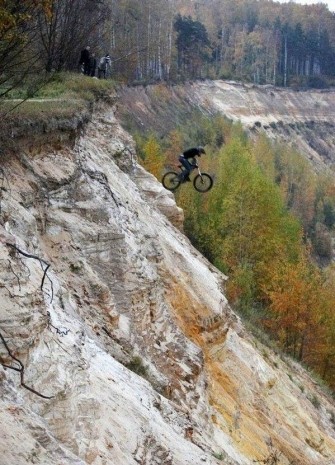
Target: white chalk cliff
126	291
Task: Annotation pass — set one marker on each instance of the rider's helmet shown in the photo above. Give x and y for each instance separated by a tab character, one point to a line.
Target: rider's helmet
201	150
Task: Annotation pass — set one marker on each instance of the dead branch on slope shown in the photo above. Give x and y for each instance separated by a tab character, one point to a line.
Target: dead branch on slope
20	369
61	331
42	263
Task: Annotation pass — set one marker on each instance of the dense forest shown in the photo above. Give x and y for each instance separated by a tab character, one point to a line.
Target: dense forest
259	41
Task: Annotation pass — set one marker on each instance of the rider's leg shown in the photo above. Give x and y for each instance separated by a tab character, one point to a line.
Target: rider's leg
188	168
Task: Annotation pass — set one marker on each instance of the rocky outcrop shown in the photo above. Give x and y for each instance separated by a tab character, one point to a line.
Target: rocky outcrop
119	346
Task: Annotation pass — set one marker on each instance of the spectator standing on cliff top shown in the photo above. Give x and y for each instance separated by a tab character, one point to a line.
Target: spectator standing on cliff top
93	64
85	60
104	68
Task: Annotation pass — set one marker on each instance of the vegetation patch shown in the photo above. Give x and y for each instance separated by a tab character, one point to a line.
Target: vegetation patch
137	366
57	107
59	86
219	455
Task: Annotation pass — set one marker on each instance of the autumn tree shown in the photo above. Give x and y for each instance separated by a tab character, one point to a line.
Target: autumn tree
259	41
175	146
264	154
153	160
323	358
255	226
295	296
19	51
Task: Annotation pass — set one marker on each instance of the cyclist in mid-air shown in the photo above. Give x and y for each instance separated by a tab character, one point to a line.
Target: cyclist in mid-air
186	160
202	182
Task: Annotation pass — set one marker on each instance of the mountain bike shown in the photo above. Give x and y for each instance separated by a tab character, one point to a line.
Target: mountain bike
202	182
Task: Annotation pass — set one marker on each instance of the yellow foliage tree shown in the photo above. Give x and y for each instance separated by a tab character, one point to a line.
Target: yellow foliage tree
263	153
250	216
297	307
19	40
298	186
175	148
153	159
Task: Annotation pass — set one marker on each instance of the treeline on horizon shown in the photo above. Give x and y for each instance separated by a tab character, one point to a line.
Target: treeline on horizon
268	224
258	41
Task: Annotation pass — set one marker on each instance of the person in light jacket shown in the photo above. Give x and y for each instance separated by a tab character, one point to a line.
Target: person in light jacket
104	68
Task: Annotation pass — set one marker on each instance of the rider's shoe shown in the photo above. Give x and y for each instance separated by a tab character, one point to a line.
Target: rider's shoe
187	179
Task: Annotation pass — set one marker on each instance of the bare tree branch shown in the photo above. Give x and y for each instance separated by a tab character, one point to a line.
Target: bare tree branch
20	369
17	277
60	331
42	262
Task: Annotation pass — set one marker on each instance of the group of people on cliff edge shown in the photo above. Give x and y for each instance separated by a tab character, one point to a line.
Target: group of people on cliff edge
89	65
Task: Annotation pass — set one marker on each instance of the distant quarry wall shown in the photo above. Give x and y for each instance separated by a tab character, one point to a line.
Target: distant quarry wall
302	119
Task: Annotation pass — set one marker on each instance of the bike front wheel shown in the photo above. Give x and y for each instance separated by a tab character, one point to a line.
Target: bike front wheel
203	182
171	181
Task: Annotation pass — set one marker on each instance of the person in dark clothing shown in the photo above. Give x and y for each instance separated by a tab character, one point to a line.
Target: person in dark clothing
85	60
93	65
188	161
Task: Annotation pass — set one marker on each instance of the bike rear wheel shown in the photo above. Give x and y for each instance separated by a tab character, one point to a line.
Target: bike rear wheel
203	182
171	181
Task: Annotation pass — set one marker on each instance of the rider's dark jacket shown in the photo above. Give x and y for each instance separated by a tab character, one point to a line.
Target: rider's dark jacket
191	153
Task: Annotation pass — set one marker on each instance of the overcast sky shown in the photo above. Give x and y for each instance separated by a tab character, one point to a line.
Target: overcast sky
330	3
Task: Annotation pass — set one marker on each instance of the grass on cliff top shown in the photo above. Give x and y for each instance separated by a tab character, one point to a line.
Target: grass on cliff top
60	95
40	109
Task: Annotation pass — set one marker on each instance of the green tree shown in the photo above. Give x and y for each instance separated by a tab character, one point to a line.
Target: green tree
192	45
249	226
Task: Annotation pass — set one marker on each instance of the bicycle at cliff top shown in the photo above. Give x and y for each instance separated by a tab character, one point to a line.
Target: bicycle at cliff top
202	182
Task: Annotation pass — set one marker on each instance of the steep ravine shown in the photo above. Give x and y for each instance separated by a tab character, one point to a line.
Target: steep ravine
127	292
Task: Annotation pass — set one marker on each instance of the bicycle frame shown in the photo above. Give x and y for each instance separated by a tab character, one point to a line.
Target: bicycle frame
198	168
194	167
